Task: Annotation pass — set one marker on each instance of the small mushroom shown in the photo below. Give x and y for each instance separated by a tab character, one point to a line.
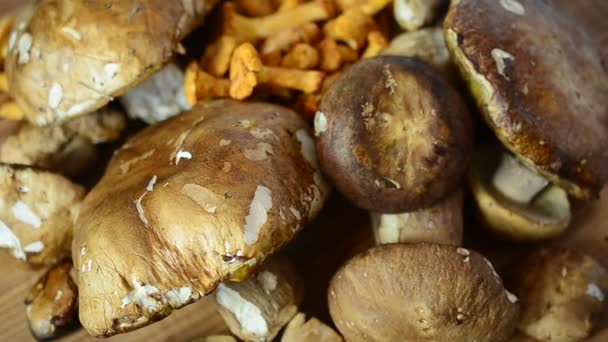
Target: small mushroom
37	213
393	135
313	330
351	27
426	44
544	99
257	309
307	33
411	15
515	202
561	293
441	223
256	8
301	56
52	304
376	43
199	85
192	204
9	110
415	292
217	55
72	57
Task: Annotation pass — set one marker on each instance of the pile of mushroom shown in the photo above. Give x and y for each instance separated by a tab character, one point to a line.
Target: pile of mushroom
143	173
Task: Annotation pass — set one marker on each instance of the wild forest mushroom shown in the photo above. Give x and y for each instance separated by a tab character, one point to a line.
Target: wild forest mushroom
412	15
561	293
515	202
192	204
543	98
415	292
312	330
37	213
283	41
257	309
386	138
199	85
71	57
52	304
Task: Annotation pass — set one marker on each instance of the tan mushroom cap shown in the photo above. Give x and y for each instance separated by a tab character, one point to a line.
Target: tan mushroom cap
312	330
197	199
403	292
70	57
561	293
37	214
540	84
547	216
52	304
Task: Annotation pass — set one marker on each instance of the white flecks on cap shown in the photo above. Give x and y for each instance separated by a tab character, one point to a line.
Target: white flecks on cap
499	57
179	296
261	152
23	48
124	167
111	69
80	107
258	214
225	142
140	209
34	247
151	184
512	298
594	291
23	213
564	271
296	213
142	296
389	83
181	154
89	265
246	313
320	123
227	167
83	268
463	251
12	40
307	148
71	32
268	280
204	197
58	295
23	189
513	6
83	250
55	95
9	240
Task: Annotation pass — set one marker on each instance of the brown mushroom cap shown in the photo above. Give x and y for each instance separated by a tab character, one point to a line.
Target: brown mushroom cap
52	304
561	292
197	199
393	135
71	57
540	85
403	292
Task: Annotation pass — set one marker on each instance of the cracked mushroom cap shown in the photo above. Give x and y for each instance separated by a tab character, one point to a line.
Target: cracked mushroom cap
52	304
541	86
37	214
70	57
200	198
393	135
403	292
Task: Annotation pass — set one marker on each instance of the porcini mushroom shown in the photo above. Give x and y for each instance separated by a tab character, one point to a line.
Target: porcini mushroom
393	135
403	292
52	304
257	309
312	330
561	293
71	57
200	198
427	44
414	14
544	99
37	214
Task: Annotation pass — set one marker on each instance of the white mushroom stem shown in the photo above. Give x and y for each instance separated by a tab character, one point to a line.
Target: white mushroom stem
516	181
257	309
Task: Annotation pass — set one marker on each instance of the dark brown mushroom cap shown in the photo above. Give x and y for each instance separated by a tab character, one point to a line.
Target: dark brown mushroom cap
535	69
393	135
415	292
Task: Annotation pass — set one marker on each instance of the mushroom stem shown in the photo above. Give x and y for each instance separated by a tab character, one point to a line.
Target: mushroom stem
217	56
200	85
283	41
516	181
250	29
376	42
306	81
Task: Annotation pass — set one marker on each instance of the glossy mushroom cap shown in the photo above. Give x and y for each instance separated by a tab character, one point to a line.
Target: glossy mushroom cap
393	135
535	69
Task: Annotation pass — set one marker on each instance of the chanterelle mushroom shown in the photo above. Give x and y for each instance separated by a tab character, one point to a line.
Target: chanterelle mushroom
403	292
71	57
52	305
540	84
37	213
313	330
561	292
393	135
197	199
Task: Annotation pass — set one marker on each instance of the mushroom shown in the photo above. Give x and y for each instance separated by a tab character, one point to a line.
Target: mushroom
52	304
283	41
441	223
411	15
257	309
246	71
158	98
313	330
256	8
351	27
415	292
561	293
426	44
515	202
69	148
301	56
216	59
192	204
37	212
72	57
6	26
199	85
545	98
393	135
376	42
9	110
